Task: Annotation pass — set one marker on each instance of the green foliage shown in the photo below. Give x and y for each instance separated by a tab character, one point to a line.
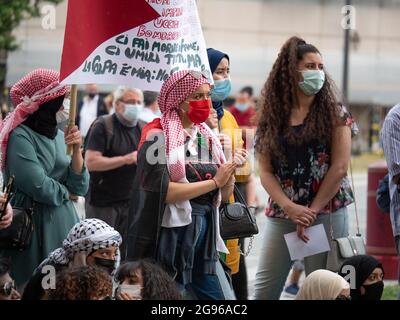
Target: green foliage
12	12
390	292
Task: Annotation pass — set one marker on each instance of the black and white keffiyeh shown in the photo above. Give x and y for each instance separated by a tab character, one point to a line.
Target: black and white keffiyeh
85	237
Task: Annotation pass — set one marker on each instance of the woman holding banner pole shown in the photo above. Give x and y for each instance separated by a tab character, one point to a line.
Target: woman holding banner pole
34	151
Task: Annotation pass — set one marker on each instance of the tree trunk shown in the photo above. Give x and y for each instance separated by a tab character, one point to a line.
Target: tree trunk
3	74
3	92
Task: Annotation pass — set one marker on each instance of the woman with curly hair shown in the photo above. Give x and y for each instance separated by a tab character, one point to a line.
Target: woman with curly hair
82	283
304	144
143	280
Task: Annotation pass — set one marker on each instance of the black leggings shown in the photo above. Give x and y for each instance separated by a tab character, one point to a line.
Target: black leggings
239	280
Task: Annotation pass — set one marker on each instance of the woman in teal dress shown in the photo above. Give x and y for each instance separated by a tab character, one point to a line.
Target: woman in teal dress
34	151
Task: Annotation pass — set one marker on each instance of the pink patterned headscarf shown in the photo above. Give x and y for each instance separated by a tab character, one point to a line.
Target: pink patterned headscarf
174	91
34	89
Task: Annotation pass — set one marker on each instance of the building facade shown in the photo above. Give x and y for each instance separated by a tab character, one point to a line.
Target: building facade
252	32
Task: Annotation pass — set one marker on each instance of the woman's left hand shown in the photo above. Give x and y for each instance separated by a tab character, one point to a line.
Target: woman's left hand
212	120
73	137
230	182
301	233
7	218
226	143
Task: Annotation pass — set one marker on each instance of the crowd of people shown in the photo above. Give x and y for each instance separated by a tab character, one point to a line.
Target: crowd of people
154	170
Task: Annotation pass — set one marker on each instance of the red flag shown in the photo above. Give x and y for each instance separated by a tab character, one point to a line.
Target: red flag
92	22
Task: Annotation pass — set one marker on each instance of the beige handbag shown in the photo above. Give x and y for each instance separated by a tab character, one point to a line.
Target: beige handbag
347	247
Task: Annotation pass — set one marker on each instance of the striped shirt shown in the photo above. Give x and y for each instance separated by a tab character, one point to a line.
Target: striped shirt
390	137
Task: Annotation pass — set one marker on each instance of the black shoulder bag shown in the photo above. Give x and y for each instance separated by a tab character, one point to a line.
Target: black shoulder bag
18	235
236	220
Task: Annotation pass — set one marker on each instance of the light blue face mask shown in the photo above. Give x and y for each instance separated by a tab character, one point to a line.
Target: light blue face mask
242	107
132	112
221	90
158	113
313	81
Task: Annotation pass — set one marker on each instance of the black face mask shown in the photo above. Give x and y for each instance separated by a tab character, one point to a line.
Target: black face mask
373	291
43	121
91	95
107	264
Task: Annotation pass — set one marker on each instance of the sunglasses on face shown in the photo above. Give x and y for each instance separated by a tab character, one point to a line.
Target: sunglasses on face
342	297
199	74
8	288
195	74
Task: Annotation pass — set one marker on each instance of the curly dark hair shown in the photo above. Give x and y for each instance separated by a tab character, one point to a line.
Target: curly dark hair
278	97
82	283
157	284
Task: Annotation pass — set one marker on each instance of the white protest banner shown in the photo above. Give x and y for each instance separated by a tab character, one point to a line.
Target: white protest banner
133	42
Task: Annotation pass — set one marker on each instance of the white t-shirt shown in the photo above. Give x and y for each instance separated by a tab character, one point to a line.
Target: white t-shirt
88	114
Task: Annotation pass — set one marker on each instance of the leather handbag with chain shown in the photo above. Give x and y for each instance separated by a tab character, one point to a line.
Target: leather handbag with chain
346	247
236	220
18	235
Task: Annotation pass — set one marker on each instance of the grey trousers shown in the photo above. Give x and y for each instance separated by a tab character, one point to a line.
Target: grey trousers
275	263
116	217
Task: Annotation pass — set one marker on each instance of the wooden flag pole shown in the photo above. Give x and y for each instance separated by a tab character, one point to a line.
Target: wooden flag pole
72	113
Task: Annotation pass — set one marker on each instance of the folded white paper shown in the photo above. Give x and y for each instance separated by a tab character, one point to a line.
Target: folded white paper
318	243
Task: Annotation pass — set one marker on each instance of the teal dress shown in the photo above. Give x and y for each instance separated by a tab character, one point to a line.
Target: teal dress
43	181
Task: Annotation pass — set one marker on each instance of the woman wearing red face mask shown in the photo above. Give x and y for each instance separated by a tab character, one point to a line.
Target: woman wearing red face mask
183	177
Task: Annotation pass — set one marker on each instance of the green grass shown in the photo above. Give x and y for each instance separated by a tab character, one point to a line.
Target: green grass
360	163
390	292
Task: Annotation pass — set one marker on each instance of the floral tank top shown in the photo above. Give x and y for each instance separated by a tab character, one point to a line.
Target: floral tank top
302	172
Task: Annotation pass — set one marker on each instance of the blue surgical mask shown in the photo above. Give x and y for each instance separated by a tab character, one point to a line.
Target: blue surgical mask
132	112
242	107
313	81
158	113
221	90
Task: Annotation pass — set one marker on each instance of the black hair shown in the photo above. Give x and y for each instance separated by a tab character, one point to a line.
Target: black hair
157	284
305	48
248	90
229	102
149	97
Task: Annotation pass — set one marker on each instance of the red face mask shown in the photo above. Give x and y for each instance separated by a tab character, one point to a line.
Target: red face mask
199	110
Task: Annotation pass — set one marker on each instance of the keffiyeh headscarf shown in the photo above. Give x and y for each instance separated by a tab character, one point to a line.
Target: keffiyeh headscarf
33	90
174	91
84	238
